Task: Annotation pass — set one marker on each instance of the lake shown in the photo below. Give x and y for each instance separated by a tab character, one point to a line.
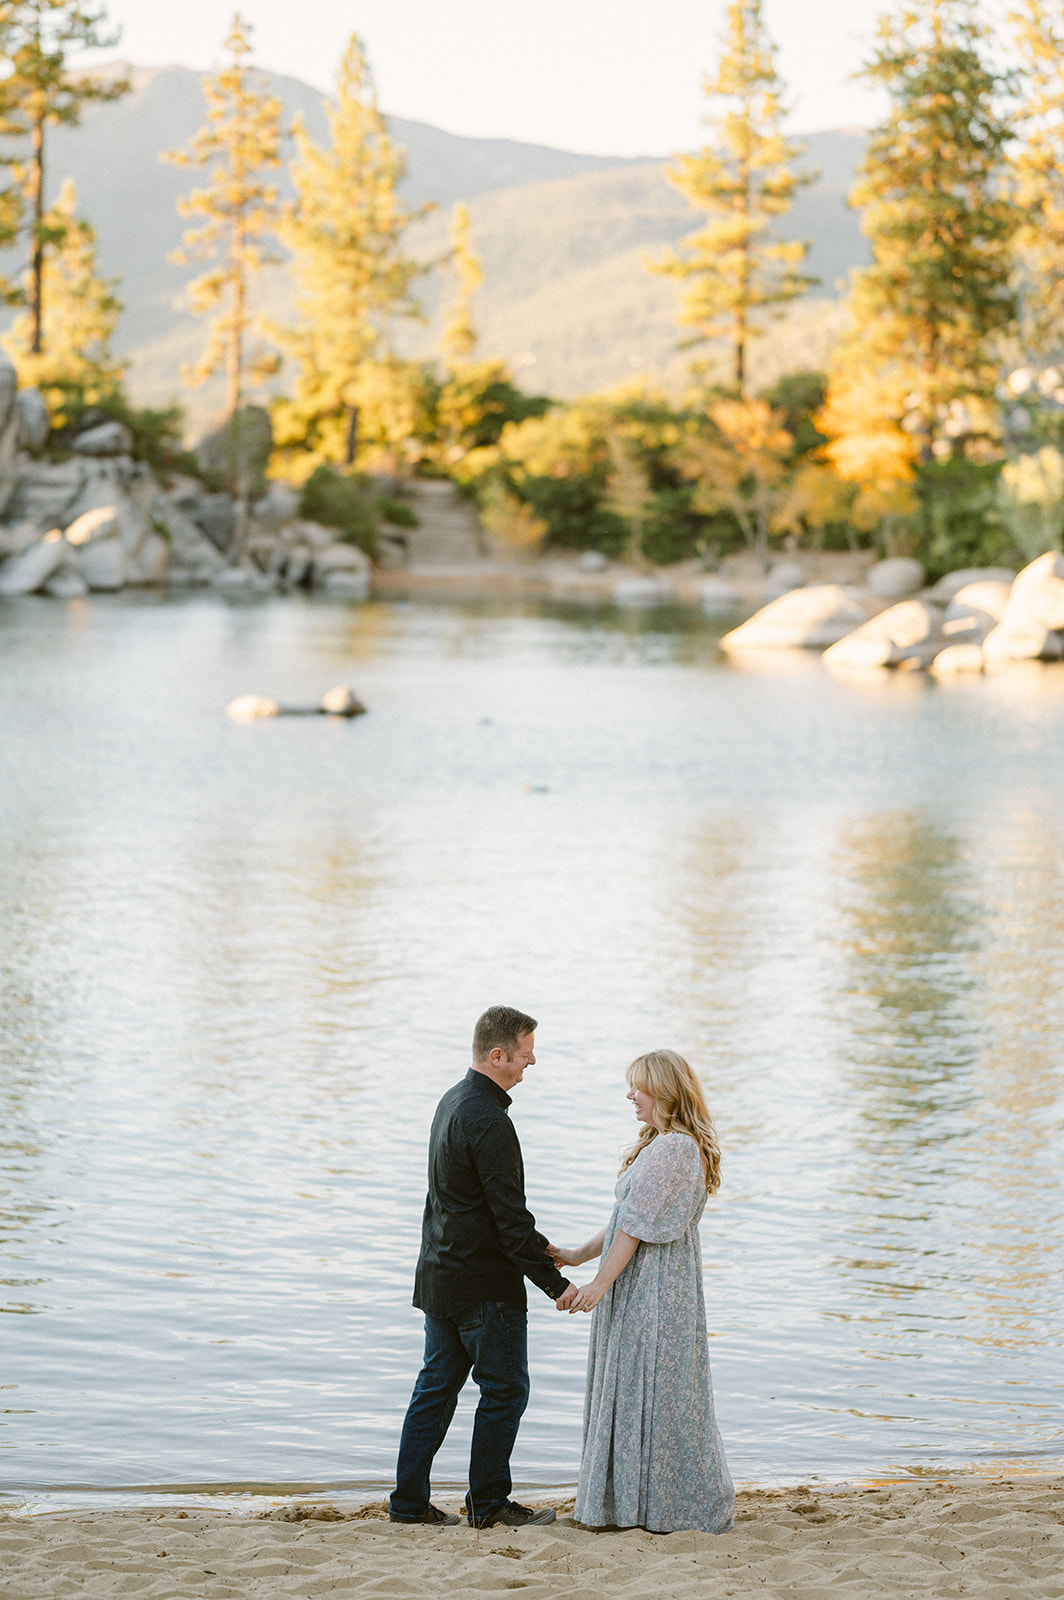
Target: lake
240	963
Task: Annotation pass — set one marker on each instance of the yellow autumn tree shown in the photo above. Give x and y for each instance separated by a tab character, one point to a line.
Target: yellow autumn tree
239	144
75	366
1038	172
39	91
738	273
741	466
458	338
345	230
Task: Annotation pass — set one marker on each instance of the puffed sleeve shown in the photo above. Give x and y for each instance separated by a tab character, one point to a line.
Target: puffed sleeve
667	1184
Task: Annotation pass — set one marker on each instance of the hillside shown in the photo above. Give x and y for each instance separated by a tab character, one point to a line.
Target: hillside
563	238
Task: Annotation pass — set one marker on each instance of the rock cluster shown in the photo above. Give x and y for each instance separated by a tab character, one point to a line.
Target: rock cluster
969	621
99	520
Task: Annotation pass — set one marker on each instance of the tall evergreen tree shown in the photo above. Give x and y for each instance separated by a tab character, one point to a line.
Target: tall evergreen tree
458	338
76	366
40	91
1038	172
738	273
937	296
345	232
240	143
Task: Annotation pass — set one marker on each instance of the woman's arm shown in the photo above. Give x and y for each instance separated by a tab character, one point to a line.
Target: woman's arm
584	1252
620	1253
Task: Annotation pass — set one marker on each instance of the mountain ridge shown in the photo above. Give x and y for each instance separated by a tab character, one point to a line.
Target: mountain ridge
563	237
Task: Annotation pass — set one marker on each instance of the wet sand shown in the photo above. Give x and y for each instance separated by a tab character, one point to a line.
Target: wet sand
995	1540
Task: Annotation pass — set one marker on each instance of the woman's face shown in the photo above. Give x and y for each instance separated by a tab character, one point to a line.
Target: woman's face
644	1105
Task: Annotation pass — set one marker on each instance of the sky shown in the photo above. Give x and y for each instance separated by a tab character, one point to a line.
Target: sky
610	77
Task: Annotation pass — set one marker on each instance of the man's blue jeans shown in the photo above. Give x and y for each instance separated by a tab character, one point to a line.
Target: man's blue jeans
491	1341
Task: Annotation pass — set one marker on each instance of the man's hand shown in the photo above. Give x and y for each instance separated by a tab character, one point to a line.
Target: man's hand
564	1301
585	1299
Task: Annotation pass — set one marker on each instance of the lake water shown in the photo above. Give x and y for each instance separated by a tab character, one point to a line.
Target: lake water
240	963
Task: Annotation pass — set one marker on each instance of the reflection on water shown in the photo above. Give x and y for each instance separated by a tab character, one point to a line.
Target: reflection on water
240	963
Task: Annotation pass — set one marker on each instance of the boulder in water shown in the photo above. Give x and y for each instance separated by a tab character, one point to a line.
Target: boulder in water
66	584
31	570
342	702
103	563
907	632
782	578
957	660
640	591
1032	627
719	597
811	619
249	707
895	578
953	582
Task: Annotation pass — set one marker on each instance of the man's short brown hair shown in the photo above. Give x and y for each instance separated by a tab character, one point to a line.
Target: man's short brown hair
499	1029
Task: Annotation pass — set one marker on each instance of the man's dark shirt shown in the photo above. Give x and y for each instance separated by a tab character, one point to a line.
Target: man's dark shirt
478	1238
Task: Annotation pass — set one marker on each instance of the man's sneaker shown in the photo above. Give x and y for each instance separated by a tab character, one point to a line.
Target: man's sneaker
432	1515
511	1515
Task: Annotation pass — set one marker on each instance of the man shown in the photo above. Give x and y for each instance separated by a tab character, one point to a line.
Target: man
478	1244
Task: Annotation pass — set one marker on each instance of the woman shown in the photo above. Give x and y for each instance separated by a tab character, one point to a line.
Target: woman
652	1455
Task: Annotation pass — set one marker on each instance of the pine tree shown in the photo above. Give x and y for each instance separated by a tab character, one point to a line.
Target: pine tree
240	143
739	274
458	338
1038	173
75	367
937	296
345	232
37	93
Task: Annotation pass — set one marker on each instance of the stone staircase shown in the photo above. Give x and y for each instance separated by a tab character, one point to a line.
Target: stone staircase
449	534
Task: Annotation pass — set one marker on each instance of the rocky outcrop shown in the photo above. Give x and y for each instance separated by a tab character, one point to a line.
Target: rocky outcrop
34	566
945	589
908	631
718	597
896	578
34	424
237	453
105	439
1032	626
957	660
810	619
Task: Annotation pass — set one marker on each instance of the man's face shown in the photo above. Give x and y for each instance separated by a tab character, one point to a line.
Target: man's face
511	1069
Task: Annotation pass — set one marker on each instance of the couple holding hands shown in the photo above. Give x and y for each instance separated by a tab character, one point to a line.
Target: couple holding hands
652	1455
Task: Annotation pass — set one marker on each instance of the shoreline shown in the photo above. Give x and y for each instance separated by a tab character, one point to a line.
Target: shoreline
992	1539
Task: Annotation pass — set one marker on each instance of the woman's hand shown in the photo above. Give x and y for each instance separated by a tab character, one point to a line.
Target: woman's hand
588	1297
563	1258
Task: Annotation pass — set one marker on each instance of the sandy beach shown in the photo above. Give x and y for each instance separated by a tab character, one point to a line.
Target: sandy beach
999	1539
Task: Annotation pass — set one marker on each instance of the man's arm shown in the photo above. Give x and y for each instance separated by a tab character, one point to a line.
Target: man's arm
497	1158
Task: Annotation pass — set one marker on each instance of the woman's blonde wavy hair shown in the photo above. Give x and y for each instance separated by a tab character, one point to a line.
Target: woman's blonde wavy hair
680	1106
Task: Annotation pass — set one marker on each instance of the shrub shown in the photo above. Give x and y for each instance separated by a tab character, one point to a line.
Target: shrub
397	512
344	501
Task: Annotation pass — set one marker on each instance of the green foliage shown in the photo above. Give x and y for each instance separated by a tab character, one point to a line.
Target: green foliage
38	91
800	396
960	516
239	143
79	311
346	233
343	501
471	408
938	294
398	512
739	274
